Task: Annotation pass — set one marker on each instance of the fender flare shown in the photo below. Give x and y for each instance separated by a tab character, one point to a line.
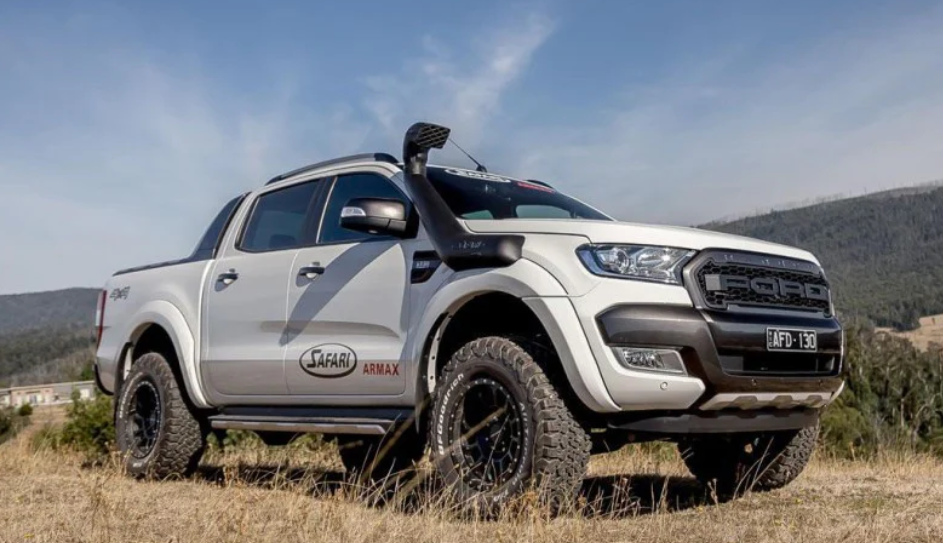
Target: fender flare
167	316
539	283
462	287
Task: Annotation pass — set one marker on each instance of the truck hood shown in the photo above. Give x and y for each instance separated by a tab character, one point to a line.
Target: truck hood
636	234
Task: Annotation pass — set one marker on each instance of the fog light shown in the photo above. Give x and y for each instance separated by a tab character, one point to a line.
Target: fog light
662	360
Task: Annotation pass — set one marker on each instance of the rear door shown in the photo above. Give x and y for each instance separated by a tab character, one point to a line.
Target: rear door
348	303
244	317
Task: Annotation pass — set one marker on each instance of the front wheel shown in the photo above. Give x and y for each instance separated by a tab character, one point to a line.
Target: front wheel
499	428
757	462
157	434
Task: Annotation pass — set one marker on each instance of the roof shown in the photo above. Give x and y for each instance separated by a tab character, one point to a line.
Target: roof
377	157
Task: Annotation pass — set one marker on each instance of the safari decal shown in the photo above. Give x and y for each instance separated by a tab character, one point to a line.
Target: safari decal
329	361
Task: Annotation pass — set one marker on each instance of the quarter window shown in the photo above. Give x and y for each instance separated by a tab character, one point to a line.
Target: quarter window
347	187
279	219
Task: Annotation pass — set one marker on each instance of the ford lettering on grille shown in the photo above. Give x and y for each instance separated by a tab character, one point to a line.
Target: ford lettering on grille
725	279
765	286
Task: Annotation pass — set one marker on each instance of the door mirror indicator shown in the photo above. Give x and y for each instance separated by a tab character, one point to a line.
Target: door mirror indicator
378	216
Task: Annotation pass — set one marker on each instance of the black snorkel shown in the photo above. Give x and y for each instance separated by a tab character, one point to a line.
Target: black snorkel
458	248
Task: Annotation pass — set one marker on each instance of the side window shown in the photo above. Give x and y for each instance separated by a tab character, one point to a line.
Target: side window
358	185
278	220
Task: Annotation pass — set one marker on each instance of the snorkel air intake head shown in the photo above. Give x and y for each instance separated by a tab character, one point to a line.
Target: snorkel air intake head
456	246
419	140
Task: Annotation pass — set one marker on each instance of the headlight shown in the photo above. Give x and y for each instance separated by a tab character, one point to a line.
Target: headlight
659	264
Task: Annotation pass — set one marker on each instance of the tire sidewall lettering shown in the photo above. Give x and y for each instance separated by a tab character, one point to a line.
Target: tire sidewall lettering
451	395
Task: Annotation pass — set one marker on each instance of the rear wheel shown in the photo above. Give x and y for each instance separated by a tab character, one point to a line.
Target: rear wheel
741	463
499	428
156	432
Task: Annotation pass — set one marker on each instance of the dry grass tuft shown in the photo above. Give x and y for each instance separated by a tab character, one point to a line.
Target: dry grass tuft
286	495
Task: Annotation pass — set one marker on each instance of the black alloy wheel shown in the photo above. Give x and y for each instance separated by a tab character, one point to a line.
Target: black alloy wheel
145	418
489	425
498	429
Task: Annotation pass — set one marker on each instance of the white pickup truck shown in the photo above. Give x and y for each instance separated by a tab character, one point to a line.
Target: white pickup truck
507	328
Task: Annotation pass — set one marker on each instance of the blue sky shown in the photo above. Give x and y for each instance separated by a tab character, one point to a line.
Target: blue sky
125	125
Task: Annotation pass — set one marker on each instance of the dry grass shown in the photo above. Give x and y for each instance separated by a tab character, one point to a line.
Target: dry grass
297	495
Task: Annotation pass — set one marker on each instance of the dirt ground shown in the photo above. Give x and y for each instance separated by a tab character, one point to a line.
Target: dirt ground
288	495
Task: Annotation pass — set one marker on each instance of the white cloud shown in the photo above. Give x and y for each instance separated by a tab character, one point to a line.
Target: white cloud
462	89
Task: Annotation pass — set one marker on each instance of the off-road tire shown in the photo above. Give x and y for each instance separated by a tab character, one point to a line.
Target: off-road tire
737	464
555	450
377	459
180	440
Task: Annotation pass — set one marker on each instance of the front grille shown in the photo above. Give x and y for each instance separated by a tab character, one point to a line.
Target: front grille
744	279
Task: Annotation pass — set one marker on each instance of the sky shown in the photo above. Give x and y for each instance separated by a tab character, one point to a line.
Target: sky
125	125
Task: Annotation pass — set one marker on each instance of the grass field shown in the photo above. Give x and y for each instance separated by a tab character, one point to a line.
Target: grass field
285	495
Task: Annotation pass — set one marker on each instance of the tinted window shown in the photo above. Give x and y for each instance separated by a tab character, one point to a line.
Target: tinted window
347	187
279	218
537	211
476	195
208	244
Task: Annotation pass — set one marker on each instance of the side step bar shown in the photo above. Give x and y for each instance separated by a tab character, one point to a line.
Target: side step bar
363	421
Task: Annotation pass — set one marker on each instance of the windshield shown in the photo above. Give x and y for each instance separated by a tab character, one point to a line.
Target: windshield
475	195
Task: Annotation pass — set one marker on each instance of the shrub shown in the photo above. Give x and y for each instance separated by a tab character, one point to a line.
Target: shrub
6	422
25	410
89	427
10	423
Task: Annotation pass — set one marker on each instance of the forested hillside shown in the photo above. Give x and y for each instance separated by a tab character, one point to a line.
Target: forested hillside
46	336
55	308
883	252
46	355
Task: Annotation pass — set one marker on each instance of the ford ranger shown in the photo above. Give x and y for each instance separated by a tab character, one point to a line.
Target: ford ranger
495	323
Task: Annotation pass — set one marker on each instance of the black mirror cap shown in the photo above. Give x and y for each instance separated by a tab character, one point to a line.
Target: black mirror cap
378	216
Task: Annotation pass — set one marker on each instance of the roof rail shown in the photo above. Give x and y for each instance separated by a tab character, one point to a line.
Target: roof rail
539	182
379	157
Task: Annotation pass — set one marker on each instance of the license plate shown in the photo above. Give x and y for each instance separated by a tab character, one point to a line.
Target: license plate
785	339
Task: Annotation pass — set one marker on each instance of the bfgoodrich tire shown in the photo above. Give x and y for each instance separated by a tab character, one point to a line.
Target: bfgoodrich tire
157	434
741	463
499	428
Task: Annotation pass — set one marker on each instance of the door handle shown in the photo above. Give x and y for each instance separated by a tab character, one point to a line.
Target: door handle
311	271
228	278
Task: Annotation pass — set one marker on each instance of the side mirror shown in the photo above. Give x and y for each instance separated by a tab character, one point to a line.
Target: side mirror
375	216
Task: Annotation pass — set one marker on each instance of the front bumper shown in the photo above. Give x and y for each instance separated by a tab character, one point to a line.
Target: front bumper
726	351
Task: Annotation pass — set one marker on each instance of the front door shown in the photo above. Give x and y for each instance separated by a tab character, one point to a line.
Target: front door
348	303
245	298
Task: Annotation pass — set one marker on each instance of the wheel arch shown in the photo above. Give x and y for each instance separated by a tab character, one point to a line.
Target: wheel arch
526	290
161	327
499	313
